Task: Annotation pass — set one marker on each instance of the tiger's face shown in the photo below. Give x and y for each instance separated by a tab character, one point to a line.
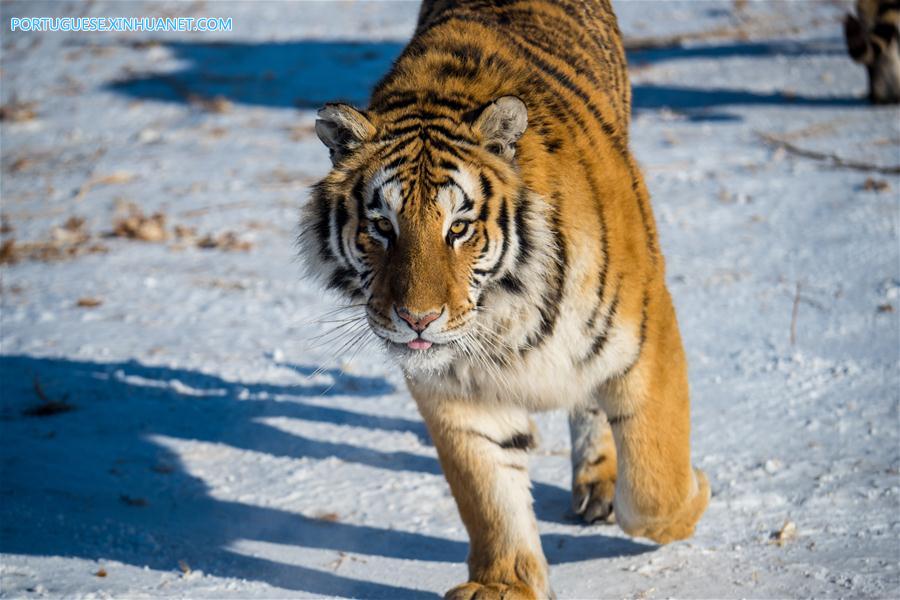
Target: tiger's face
416	225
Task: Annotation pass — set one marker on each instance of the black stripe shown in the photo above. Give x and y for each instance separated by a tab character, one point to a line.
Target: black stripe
396	101
424	117
512	284
618	419
885	31
550	308
598	461
341	216
552	145
395	163
483	215
520	441
643	333
645	305
503	224
485	246
467	204
322	223
401	131
601	338
522	232
487	189
377	198
465	71
604	243
450	136
885	6
342	280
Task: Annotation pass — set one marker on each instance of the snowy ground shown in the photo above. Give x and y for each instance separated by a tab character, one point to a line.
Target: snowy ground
203	457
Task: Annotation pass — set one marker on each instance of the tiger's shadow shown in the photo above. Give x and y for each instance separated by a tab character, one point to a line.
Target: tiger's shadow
308	73
101	483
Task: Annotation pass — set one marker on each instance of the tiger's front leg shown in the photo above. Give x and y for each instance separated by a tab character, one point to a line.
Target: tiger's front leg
483	452
659	494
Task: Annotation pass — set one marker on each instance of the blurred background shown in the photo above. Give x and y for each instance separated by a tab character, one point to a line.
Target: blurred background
178	416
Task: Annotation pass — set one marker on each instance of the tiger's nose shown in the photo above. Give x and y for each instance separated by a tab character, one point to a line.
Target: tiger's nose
417	321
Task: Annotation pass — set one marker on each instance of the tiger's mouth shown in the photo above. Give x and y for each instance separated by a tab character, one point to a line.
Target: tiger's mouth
419	344
421	356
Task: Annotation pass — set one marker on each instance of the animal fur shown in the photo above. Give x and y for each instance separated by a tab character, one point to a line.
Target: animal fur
487	211
873	40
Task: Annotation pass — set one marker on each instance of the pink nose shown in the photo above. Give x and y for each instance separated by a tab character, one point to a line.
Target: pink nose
416	321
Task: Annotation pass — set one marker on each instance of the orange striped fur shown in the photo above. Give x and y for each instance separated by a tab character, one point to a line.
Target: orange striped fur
487	211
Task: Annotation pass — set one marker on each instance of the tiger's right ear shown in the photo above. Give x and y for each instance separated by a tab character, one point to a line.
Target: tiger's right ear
342	128
501	124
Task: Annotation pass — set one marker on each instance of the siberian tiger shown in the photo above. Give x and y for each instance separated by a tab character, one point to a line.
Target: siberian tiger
873	39
487	212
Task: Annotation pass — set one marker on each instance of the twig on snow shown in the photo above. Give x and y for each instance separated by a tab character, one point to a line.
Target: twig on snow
834	159
794	311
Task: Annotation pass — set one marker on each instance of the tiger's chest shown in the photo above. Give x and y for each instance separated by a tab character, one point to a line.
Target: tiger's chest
549	373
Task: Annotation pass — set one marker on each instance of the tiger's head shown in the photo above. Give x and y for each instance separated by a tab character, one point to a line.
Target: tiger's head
417	219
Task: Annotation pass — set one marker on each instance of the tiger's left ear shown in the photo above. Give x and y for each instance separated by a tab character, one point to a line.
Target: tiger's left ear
501	124
342	128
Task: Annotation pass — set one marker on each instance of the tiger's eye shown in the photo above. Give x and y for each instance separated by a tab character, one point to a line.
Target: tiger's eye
383	226
459	227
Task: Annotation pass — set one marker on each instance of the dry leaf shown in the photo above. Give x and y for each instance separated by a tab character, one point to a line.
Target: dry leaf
137	226
228	241
876	185
71	232
18	112
111	179
88	302
185	568
20	164
9	254
101	572
787	532
185	233
331	517
885	308
48	406
217	104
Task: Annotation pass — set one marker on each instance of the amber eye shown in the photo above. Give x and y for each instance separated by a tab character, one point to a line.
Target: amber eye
384	226
459	228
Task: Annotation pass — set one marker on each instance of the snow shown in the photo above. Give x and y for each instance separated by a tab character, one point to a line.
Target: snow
216	449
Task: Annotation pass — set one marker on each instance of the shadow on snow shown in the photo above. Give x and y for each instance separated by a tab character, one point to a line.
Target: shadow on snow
307	74
67	481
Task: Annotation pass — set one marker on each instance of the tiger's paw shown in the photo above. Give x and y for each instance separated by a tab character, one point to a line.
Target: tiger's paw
676	526
472	590
593	490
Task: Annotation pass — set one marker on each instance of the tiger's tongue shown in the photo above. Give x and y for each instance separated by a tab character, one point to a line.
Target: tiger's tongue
419	344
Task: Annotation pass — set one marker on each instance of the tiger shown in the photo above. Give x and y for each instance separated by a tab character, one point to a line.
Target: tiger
873	39
487	215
